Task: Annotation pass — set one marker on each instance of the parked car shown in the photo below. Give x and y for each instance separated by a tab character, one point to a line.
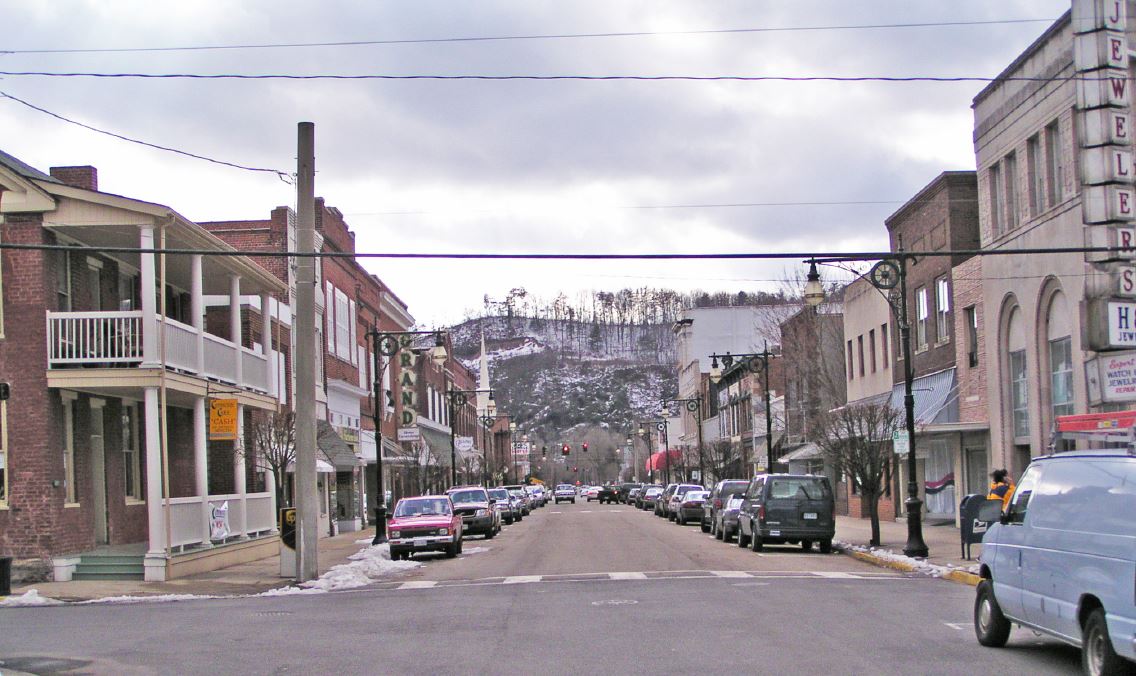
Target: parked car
424	524
726	519
632	495
787	508
1060	560
519	491
565	492
536	496
689	506
473	505
671	506
719	496
505	505
647	497
623	494
663	499
607	493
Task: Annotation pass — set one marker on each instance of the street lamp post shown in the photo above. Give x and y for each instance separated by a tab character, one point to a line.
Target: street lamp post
456	399
642	432
753	361
886	275
694	405
387	344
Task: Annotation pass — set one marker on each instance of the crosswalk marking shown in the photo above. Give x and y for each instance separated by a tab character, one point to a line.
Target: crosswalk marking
730	573
522	579
838	576
627	576
418	584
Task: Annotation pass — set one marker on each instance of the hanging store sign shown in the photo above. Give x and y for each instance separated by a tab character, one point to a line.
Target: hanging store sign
222	419
463	444
408	394
1111	378
409	434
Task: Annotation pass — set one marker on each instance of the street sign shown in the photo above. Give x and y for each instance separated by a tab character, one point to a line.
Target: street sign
409	434
463	443
899	442
222	419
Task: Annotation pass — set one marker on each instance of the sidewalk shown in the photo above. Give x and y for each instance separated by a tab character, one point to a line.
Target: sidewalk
945	552
254	577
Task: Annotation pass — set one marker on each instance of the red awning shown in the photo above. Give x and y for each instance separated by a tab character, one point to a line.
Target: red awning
659	460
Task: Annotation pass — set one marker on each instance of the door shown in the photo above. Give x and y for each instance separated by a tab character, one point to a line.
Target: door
1009	548
98	474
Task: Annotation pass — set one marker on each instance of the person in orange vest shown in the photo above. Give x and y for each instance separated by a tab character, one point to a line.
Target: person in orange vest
1001	487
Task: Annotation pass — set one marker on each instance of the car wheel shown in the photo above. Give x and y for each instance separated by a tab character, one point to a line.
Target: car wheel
807	545
680	519
451	550
743	541
727	534
705	526
509	521
573	501
490	533
756	544
1097	655
990	626
826	546
714	530
461	544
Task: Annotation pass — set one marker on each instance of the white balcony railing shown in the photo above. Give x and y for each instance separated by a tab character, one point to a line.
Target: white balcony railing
186	524
105	338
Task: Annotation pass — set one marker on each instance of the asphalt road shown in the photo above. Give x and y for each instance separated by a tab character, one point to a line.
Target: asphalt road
571	589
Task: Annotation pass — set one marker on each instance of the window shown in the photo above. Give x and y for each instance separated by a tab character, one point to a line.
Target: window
353	339
1061	375
342	326
851	366
1054	171
1035	171
3	454
1022	495
884	343
1011	182
127	292
329	316
872	347
95	284
69	447
942	310
131	461
997	224
63	281
1019	394
922	316
860	350
971	314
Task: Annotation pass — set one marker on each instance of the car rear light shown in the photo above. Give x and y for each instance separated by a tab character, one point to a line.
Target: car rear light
761	513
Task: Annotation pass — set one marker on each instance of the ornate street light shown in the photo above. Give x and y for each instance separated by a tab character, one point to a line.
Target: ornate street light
886	275
753	361
387	344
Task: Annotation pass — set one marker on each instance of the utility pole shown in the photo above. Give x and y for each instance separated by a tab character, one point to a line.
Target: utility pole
306	496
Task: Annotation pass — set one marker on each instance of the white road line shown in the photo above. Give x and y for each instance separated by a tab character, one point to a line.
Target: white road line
417	584
627	576
960	626
585	511
730	573
522	579
837	576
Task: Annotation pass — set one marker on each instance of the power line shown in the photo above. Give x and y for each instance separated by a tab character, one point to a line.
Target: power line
555	78
505	38
284	176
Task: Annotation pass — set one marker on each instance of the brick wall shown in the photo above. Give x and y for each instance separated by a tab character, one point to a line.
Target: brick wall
86	177
967	286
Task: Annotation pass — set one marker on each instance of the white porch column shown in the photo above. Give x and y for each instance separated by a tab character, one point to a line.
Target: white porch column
201	466
266	341
155	562
235	322
241	526
150	353
197	310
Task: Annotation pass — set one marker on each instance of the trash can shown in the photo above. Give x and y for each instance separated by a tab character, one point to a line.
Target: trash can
5	575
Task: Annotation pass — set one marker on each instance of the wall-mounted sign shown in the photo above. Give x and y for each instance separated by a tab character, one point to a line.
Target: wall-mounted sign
1111	378
463	443
222	419
409	434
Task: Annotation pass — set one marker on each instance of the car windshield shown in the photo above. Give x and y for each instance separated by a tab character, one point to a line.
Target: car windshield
499	494
473	495
654	491
683	490
696	495
805	487
517	493
564	487
423	507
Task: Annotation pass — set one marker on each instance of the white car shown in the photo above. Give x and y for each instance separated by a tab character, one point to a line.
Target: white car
592	493
565	492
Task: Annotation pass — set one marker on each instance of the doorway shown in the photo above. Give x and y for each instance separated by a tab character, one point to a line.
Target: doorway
98	474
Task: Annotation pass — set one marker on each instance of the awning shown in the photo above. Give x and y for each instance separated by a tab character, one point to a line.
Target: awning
438	442
935	398
659	460
322	467
335	448
809	451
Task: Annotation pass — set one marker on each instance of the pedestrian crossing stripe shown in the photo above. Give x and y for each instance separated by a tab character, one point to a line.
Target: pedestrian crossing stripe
653	575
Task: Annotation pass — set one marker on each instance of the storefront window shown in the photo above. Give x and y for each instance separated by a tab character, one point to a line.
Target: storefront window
1019	394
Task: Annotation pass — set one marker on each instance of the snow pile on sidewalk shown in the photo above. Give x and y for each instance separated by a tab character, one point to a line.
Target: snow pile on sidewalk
365	566
29	598
915	565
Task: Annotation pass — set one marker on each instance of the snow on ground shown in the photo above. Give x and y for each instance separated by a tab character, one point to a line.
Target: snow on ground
917	565
474	550
29	598
365	566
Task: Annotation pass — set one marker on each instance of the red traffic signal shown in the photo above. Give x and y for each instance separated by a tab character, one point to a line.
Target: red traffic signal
565	450
575	470
584	446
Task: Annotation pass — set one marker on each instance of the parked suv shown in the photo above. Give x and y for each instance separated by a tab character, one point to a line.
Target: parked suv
607	493
787	508
719	496
1060	560
473	505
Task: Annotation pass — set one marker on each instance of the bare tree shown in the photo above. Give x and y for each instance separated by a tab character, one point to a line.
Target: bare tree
271	440
856	440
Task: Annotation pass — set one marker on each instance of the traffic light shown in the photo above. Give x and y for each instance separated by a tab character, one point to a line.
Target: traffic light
565	449
584	446
575	469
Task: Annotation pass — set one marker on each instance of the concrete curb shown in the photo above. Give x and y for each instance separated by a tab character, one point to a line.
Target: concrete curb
959	576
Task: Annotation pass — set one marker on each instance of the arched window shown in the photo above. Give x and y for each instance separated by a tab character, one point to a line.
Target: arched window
1016	363
1060	352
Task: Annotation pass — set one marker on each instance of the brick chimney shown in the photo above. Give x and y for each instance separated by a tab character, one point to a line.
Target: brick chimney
77	177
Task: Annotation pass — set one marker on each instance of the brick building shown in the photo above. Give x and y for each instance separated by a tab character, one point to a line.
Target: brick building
105	439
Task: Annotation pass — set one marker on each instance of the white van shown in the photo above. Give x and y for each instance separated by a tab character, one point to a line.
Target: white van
1062	559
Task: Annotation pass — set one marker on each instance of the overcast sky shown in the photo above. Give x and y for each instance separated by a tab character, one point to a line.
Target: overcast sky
525	166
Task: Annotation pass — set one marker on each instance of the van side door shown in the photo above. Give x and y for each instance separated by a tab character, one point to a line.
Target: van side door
751	502
1007	565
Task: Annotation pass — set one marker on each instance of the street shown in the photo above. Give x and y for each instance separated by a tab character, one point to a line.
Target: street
573	588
